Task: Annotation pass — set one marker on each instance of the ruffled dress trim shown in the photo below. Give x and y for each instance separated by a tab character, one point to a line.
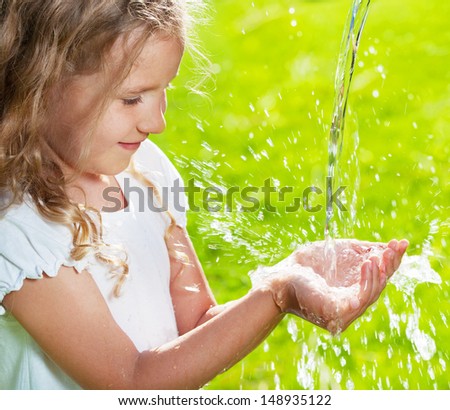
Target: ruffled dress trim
30	247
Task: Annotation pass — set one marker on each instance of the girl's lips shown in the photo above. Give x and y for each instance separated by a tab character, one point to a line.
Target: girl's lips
130	146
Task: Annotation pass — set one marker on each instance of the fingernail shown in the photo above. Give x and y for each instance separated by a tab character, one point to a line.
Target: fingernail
405	245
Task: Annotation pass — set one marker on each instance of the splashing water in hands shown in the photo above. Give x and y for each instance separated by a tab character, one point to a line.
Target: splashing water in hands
300	284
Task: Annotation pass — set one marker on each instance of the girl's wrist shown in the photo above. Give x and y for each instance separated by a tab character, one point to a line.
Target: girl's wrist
275	291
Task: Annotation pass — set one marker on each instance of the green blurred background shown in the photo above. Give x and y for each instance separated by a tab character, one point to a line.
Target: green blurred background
266	114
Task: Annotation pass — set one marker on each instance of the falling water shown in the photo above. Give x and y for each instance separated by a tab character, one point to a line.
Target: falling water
344	74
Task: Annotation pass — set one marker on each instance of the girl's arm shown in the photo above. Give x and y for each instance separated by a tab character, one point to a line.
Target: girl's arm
192	297
69	319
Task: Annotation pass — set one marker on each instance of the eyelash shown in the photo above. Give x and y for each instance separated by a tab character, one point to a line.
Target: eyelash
132	101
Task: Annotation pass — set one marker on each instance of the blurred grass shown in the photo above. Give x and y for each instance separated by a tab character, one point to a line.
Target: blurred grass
267	115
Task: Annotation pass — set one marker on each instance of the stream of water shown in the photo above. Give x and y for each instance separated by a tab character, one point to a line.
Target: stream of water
344	74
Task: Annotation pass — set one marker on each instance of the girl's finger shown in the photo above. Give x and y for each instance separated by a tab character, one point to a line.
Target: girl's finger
403	245
356	306
401	249
388	262
383	273
366	285
375	279
393	244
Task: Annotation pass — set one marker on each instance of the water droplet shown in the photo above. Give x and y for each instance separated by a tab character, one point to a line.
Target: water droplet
349	384
216	68
292	329
424	344
277	381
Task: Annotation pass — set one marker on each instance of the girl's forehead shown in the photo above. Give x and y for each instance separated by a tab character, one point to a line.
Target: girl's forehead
133	48
138	42
157	62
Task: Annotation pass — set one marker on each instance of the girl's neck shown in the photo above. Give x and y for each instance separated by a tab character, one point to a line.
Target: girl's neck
94	191
88	189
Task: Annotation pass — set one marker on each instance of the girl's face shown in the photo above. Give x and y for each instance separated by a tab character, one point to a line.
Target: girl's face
135	110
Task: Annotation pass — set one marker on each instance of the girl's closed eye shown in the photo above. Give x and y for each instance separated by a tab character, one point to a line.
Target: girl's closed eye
132	101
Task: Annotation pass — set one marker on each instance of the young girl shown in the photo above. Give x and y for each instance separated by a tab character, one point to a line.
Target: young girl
118	300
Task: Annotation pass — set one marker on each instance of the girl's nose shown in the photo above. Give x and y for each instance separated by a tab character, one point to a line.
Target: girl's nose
152	123
152	120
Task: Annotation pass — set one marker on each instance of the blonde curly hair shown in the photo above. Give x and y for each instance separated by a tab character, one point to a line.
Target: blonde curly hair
44	43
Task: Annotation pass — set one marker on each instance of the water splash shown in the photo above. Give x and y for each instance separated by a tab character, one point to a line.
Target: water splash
413	271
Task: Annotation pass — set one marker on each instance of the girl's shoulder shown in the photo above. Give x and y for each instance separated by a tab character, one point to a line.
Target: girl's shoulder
30	246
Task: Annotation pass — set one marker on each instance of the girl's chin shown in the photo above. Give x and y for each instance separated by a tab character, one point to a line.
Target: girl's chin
111	169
